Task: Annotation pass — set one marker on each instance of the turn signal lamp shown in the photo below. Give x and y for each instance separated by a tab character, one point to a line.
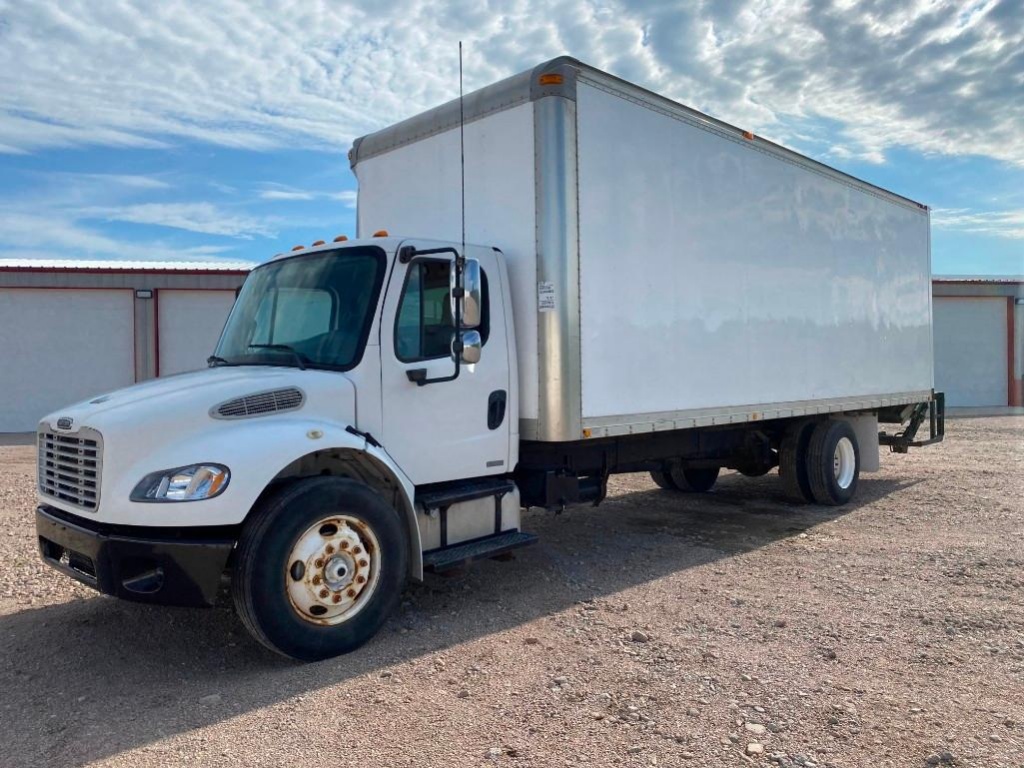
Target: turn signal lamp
551	79
341	238
381	233
748	135
317	242
298	247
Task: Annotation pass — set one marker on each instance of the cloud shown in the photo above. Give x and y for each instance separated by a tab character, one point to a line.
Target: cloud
937	76
204	218
131	181
53	235
1008	224
281	192
284	194
348	197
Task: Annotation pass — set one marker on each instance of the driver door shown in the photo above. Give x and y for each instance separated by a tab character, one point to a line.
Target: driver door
448	430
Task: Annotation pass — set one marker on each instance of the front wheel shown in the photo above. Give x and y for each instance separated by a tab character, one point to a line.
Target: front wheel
319	568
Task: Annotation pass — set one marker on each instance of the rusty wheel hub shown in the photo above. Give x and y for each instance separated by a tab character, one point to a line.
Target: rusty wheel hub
333	569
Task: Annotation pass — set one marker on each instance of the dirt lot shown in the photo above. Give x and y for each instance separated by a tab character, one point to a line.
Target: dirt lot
657	629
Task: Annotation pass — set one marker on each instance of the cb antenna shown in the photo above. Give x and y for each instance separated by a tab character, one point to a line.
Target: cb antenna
462	160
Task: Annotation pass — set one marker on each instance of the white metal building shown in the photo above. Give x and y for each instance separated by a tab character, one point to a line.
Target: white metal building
72	329
978	332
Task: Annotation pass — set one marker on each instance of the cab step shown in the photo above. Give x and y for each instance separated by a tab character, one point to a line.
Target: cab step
438	560
443	496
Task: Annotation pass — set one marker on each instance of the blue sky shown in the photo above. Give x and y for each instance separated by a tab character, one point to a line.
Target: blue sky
218	131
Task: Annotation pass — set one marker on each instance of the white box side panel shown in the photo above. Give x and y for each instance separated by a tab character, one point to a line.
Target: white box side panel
414	190
189	325
713	275
59	347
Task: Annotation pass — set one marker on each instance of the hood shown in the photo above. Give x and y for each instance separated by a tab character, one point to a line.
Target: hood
177	402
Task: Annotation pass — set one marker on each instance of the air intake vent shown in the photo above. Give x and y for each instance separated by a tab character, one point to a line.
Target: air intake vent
260	404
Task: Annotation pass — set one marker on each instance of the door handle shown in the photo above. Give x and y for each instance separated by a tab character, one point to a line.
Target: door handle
496	408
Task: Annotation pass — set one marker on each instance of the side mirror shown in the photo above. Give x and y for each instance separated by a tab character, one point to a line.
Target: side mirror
471	346
472	303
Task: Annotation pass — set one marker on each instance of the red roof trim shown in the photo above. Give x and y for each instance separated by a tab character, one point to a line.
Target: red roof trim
124	271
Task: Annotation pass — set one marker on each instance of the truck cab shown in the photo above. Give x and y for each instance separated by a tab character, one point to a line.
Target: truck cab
339	362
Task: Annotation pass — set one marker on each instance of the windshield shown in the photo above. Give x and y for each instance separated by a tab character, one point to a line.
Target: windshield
305	311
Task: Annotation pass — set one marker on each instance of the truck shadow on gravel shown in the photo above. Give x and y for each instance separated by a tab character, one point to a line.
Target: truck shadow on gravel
93	677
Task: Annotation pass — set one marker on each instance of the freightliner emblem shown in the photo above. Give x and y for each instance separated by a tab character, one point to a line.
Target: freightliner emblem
65	422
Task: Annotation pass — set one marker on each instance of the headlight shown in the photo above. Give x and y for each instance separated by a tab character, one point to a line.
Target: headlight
192	483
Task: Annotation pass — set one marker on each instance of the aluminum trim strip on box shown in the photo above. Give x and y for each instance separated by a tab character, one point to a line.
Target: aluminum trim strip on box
641	423
496	97
558	320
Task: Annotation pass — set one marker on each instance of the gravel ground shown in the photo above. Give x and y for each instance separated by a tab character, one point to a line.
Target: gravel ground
725	630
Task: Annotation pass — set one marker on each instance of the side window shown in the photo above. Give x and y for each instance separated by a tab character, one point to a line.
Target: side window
424	326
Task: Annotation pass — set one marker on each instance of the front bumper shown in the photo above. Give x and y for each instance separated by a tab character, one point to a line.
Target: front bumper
151	565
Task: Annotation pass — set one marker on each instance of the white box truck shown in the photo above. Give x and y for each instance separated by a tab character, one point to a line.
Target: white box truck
648	290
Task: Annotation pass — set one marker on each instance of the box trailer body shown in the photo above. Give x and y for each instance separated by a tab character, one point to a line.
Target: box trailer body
644	289
667	270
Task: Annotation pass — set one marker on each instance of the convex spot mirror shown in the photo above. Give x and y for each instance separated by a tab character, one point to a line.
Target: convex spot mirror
472	301
472	343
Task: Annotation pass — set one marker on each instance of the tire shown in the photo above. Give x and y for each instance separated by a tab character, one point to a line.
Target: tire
754	470
833	463
282	604
694	480
662	479
793	462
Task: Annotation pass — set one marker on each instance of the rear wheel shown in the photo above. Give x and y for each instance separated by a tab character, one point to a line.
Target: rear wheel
754	469
793	462
694	480
662	480
833	462
319	568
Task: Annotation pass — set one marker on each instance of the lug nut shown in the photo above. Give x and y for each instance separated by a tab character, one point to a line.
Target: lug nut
323	593
316	579
351	593
330	549
318	563
357	550
363	563
344	545
361	579
336	598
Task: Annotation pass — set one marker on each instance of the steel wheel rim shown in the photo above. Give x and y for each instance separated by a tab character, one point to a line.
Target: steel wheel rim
844	462
332	570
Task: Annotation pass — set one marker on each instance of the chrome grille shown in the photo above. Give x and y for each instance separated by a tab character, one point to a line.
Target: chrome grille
70	466
261	403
